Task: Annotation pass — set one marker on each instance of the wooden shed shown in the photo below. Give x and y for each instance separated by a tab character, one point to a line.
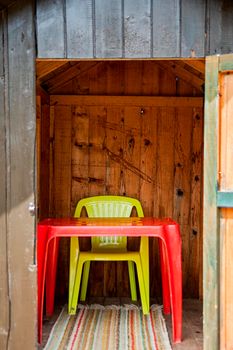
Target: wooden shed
117	97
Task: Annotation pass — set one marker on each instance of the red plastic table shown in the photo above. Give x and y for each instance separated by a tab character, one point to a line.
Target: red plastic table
165	229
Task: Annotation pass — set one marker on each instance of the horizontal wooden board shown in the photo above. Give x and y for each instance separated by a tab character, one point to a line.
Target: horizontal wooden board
140	101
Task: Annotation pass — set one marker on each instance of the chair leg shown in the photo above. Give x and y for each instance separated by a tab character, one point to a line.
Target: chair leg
132	280
165	281
51	274
85	277
74	253
74	300
144	257
145	305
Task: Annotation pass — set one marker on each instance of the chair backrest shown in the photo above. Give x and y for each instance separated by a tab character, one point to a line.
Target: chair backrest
109	206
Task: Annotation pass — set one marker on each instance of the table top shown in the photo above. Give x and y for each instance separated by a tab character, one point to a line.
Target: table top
116	221
84	227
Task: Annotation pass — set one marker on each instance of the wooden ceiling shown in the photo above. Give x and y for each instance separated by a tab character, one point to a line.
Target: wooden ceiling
53	74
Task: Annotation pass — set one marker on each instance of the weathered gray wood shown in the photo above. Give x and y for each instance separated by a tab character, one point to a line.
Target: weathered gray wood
133	29
79	28
214	30
51	39
4	296
210	212
193	28
220	28
137	28
20	176
227	27
166	26
108	28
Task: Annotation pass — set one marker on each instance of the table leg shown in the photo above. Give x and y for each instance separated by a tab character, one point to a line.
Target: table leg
51	273
173	246
41	269
164	276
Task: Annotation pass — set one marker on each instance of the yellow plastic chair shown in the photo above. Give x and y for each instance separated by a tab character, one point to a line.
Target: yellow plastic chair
112	248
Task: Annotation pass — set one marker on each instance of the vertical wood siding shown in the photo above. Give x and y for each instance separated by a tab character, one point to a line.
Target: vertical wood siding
4	292
107	34
133	28
17	144
166	28
51	31
192	28
137	28
79	26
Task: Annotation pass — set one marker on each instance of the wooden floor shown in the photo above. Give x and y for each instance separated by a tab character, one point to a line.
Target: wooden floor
192	323
192	326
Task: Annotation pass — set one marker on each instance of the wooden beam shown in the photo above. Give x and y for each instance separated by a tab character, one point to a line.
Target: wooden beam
140	101
176	69
197	65
44	68
189	67
74	71
42	93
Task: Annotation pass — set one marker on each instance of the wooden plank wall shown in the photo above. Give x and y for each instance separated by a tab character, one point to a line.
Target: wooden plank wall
131	29
17	147
150	151
43	152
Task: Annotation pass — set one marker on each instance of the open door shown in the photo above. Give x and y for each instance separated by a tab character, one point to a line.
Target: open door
218	204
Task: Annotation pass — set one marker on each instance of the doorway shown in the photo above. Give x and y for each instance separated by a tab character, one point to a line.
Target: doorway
124	127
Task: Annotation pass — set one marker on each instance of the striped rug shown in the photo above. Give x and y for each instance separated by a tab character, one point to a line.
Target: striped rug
97	327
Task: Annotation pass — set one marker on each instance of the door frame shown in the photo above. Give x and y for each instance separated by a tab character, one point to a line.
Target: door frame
213	200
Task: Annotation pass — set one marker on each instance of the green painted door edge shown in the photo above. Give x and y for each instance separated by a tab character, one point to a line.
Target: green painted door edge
210	210
225	199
